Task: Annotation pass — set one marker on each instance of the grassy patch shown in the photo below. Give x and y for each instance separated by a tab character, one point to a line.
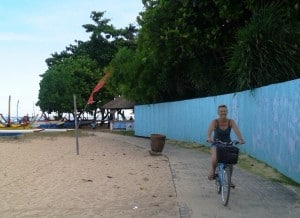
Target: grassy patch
250	165
246	162
189	145
122	132
262	169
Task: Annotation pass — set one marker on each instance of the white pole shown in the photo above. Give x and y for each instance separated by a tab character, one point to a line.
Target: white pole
18	111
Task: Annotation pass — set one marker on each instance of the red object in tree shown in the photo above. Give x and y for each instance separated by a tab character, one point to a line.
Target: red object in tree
100	84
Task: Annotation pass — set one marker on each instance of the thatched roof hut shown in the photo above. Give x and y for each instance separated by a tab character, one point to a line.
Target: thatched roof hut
118	104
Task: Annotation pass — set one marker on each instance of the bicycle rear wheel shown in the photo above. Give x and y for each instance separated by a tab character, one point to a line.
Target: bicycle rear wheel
225	186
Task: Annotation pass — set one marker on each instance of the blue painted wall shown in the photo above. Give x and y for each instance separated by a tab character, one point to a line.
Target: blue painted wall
268	117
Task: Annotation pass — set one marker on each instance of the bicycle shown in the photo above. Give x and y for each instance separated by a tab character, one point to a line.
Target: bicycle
227	154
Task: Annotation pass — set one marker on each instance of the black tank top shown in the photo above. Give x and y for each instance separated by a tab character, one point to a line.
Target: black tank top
222	134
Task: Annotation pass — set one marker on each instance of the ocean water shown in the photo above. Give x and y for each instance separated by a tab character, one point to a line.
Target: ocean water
13	119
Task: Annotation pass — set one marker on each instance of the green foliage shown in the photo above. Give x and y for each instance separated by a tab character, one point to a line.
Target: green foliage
78	69
105	39
123	76
165	50
188	48
267	50
74	75
183	49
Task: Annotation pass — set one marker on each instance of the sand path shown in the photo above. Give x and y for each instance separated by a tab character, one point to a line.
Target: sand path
43	177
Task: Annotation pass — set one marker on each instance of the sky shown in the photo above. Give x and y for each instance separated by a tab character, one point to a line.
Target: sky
32	30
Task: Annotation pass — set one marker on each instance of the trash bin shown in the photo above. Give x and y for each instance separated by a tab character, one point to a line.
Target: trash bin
157	142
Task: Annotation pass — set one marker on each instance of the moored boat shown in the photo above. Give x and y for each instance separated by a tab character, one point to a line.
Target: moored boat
48	124
16	132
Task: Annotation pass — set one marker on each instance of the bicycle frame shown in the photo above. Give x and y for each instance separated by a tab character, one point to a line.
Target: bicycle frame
223	178
223	182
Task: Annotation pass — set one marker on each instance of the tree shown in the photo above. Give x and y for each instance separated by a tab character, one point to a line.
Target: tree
75	75
83	65
189	48
105	39
125	80
181	50
267	49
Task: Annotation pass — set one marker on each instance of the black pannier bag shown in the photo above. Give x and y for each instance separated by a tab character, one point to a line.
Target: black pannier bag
227	154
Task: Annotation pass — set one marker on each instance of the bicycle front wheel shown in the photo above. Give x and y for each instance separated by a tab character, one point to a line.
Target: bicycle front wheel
218	184
225	186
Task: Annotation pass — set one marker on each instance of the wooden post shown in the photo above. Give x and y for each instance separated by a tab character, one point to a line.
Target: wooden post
76	125
8	118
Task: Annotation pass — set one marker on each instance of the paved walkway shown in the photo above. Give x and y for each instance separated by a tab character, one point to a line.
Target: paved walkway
197	197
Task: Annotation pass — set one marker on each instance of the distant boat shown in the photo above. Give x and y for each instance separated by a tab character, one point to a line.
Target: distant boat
81	123
15	126
24	124
8	128
16	132
47	124
57	130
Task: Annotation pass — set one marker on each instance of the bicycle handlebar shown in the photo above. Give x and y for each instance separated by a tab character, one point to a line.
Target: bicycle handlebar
233	142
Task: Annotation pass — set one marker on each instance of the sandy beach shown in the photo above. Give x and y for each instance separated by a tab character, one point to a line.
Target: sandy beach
44	177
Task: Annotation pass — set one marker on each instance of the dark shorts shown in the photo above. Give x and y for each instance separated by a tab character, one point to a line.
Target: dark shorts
214	144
